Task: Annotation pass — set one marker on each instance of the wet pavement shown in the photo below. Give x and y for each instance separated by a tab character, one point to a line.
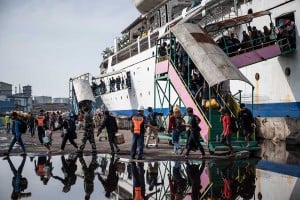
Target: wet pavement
162	175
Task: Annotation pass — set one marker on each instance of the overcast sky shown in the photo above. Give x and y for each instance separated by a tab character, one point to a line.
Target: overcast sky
45	42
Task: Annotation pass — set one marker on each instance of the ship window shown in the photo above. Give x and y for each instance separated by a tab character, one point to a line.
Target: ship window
257	76
286	24
134	49
114	60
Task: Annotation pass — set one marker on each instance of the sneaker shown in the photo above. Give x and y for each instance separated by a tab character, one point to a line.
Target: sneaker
118	150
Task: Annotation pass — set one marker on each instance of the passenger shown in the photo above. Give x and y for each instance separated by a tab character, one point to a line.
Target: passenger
139	190
267	34
68	168
194	178
193	140
94	88
41	121
17	135
102	87
122	83
110	183
247	122
227	132
88	175
152	126
113	84
177	182
19	182
246	43
47	139
236	44
162	50
256	37
290	28
69	132
138	131
118	82
43	168
109	122
30	123
152	175
88	127
178	126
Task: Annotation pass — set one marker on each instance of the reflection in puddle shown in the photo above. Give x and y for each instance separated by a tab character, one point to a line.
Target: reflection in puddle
109	177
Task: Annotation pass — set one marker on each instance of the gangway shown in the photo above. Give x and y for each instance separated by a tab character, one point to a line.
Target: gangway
215	67
79	90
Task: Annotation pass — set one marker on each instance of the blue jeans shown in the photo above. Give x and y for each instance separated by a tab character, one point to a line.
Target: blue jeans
175	138
137	141
13	142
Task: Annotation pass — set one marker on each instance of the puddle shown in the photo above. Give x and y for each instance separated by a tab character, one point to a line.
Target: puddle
105	177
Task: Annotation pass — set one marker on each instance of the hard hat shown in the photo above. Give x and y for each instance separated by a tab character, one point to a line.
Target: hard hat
141	108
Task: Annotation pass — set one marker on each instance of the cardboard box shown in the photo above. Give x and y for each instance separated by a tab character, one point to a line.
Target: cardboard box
120	138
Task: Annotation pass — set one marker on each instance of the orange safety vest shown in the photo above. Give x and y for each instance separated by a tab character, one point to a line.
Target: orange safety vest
40	120
138	193
137	122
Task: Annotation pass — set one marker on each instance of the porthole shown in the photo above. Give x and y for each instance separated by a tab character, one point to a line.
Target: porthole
133	73
257	77
141	94
121	98
149	93
287	71
127	96
148	69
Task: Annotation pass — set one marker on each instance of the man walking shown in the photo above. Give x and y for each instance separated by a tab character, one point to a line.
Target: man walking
88	128
17	134
247	122
41	121
152	126
194	135
138	131
109	122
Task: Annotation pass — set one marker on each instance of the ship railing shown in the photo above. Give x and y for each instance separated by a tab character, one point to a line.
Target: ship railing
254	44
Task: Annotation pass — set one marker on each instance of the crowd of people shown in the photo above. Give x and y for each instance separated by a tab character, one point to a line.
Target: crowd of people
284	34
113	84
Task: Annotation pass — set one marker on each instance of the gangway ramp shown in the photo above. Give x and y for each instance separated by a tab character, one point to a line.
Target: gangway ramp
167	67
80	90
214	65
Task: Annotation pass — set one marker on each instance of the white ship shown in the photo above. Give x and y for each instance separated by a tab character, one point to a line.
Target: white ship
267	76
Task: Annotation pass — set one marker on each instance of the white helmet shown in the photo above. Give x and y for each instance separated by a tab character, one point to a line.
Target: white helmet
141	108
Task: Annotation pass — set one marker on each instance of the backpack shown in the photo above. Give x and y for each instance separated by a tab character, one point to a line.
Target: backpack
22	126
234	124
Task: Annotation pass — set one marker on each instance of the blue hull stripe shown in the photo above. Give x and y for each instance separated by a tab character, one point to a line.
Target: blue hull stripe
259	110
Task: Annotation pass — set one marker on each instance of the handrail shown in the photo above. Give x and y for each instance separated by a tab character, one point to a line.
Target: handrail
252	47
206	190
225	104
